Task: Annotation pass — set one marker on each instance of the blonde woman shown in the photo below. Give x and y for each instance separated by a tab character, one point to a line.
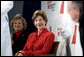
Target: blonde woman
20	36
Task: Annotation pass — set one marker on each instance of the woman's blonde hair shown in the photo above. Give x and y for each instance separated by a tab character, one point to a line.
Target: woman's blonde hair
40	13
19	17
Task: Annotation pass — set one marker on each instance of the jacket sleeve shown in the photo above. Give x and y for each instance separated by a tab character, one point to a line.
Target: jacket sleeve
46	48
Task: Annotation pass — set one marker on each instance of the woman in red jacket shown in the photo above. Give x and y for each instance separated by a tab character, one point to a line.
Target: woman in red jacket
41	41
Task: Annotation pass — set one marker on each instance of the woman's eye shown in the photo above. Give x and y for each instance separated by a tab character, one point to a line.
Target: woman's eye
40	19
35	20
15	23
19	23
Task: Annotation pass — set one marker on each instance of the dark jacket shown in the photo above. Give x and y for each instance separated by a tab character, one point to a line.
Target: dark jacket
19	42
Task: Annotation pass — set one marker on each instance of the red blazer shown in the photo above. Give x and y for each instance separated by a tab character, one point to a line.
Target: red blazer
39	45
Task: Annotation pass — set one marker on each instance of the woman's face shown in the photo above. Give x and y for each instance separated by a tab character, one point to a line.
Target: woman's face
18	25
39	22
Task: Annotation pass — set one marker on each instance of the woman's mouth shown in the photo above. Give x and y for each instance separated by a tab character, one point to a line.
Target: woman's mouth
18	27
39	25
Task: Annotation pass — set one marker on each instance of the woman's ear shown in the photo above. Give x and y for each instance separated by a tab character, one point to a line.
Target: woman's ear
45	23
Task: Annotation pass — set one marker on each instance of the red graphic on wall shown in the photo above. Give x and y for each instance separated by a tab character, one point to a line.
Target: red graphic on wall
58	31
62	8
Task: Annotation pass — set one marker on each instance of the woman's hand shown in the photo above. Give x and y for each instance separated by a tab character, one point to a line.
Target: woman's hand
20	53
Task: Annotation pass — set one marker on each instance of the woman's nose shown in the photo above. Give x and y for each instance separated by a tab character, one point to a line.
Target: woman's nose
38	22
17	24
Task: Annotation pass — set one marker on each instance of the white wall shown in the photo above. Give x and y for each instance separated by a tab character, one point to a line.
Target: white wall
55	19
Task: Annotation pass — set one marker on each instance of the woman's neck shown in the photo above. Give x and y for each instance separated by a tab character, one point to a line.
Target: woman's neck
40	30
19	30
